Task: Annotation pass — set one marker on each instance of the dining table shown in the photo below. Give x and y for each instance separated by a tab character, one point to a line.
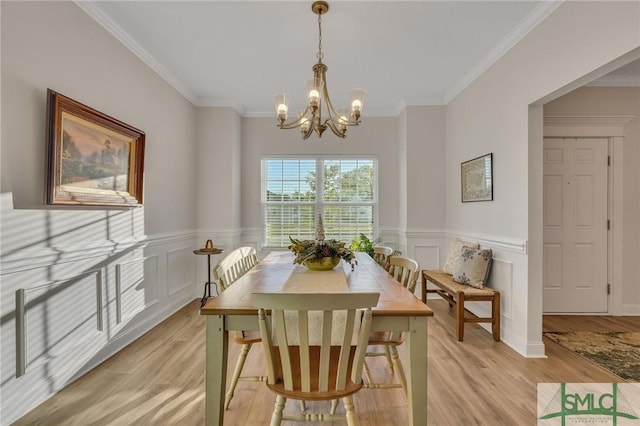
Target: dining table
398	310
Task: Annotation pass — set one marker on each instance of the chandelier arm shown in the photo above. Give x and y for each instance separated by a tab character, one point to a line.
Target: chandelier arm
306	135
331	112
330	124
333	116
332	120
297	122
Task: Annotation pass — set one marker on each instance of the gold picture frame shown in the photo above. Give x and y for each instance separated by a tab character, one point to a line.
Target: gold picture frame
477	179
92	159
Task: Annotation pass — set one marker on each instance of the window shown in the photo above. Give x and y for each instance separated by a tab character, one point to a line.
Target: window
296	190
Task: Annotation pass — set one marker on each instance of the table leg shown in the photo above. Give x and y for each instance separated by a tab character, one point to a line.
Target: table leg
416	352
217	345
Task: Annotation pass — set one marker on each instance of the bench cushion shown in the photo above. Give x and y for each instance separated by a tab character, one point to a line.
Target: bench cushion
445	281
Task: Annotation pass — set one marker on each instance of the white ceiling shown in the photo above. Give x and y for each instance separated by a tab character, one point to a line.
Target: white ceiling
242	53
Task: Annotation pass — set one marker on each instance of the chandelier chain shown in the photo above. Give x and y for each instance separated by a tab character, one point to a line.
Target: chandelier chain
319	55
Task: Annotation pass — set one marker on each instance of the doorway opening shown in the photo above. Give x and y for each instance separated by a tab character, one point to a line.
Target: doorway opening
576	225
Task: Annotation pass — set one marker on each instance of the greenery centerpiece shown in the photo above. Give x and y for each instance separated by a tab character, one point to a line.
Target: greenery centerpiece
320	254
362	243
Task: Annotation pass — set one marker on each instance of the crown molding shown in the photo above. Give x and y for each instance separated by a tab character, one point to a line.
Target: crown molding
369	112
616	81
532	20
259	114
219	102
91	9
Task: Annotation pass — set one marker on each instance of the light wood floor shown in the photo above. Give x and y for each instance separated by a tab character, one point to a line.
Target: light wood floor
159	379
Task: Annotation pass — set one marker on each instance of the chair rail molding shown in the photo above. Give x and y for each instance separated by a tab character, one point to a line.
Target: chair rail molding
493	241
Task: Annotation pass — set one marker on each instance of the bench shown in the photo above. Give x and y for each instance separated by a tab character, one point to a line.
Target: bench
457	294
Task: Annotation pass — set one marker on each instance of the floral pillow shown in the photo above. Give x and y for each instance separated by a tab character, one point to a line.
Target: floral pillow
473	267
454	254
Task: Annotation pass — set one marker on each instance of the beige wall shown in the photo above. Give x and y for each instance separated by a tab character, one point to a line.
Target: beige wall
600	103
376	136
419	178
410	152
594	101
425	166
492	115
219	170
66	260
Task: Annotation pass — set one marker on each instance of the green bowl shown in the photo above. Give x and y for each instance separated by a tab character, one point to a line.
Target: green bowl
322	264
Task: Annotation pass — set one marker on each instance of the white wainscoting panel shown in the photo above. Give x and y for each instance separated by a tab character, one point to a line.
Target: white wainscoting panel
502	280
57	317
180	270
136	287
54	301
427	255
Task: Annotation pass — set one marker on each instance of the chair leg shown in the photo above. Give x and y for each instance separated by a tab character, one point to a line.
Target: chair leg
399	369
303	406
236	374
352	419
367	373
387	355
276	417
334	406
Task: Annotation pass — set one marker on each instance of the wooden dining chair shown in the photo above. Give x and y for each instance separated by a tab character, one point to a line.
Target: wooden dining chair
381	255
310	364
233	266
405	271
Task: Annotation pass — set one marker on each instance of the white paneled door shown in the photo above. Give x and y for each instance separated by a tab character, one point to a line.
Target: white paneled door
575	225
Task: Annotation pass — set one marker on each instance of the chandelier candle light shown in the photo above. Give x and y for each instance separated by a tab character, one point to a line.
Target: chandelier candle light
310	119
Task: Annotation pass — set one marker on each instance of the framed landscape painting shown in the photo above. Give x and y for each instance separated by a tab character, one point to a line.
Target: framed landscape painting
92	159
477	179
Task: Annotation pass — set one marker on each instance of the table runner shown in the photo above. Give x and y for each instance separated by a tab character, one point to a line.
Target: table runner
303	280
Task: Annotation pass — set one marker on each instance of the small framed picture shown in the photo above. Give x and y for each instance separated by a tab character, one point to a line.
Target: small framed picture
92	159
477	179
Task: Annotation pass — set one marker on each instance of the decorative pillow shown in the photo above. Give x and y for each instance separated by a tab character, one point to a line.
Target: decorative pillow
473	267
454	254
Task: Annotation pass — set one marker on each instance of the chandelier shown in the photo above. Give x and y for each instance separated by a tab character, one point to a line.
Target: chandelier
310	119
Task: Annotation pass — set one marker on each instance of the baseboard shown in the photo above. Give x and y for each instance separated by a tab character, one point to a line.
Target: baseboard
631	310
